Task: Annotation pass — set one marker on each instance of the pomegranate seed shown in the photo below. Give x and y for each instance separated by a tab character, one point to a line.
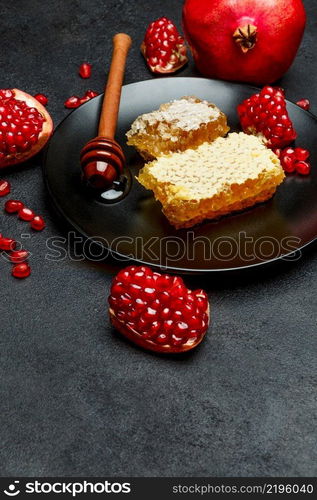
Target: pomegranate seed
201	301
13	206
288	152
21	270
265	114
5	187
91	94
288	163
85	70
38	223
162	339
26	214
18	256
153	330
304	103
157	311
303	167
163	47
72	102
7	244
42	99
84	99
301	154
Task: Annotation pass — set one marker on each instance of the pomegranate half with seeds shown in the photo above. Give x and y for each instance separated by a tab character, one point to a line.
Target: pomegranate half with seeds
25	126
163	47
157	311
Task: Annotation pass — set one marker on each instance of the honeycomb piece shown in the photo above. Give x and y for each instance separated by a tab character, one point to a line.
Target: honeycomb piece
215	179
176	126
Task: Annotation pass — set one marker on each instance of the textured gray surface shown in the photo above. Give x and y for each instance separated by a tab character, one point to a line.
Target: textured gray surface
76	399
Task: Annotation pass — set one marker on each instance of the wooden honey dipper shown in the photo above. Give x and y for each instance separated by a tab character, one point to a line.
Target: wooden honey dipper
102	159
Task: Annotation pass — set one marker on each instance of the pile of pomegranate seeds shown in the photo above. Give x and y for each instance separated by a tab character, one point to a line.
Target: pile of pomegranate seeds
5	188
304	103
75	101
163	47
294	160
85	70
20	125
41	98
265	115
157	311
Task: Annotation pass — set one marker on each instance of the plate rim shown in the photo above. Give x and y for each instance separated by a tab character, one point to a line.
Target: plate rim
181	270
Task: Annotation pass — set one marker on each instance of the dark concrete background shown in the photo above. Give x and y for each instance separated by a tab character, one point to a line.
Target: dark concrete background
76	399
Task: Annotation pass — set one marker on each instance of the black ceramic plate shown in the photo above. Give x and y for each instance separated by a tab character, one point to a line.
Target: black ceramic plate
135	228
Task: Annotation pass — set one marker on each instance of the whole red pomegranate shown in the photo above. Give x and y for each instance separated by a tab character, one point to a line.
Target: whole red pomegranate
246	40
25	126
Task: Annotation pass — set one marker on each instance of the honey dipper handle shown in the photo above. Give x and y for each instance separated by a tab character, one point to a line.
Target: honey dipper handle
111	101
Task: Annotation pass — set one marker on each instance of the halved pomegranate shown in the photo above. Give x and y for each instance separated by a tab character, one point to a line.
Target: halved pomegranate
163	47
25	126
157	311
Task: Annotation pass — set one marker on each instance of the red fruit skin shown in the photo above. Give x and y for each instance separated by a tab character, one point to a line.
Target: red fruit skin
137	338
209	26
44	136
